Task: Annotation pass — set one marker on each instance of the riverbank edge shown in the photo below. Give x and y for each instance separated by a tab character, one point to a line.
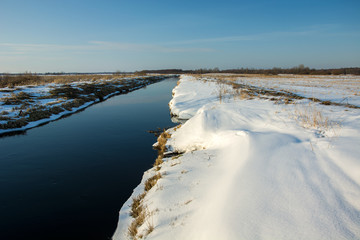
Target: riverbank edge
55	117
133	205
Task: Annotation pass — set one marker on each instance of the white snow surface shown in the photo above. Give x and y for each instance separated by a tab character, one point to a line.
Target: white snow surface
250	171
341	89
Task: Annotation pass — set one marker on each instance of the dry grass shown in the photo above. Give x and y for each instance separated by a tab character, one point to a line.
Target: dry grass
177	127
138	211
33	79
159	160
150	182
162	139
29	113
149	227
221	90
136	206
310	116
16	98
86	92
227	89
18	123
19	80
58	101
4	113
143	217
4	118
66	92
136	223
161	148
37	113
187	202
72	104
240	94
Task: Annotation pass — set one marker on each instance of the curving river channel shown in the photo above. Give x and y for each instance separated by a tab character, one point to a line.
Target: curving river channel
69	178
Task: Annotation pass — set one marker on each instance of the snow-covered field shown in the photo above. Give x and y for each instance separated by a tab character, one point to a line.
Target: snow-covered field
251	168
24	107
340	89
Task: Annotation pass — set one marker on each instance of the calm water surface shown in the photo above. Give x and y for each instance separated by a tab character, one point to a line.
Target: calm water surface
69	178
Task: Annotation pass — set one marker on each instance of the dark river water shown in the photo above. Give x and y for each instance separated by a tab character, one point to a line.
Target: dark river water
68	179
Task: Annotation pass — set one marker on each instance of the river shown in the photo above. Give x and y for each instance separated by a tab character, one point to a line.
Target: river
69	178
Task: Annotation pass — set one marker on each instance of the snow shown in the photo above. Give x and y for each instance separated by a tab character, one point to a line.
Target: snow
189	101
249	170
340	89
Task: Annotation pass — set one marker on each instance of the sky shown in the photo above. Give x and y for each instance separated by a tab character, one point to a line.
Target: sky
120	35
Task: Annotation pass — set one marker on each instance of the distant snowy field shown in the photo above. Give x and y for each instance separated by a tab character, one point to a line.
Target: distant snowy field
340	89
251	168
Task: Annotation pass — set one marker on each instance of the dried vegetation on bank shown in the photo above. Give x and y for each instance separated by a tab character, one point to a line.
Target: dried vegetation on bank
45	96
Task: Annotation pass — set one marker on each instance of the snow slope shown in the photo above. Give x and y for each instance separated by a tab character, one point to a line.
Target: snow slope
248	170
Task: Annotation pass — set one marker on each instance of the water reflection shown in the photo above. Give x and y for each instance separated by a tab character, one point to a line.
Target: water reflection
68	179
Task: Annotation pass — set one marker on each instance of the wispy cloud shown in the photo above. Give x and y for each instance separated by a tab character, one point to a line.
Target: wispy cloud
313	30
91	46
185	46
165	47
145	47
252	37
25	47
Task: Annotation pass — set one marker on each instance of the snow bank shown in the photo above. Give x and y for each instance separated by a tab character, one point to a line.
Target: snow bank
248	171
191	96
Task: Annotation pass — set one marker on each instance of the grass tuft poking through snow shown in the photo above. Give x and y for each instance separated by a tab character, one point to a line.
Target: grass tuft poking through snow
139	212
310	116
161	148
136	206
150	182
159	160
162	139
138	221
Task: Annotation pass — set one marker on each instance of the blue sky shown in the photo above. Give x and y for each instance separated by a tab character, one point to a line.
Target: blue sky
92	36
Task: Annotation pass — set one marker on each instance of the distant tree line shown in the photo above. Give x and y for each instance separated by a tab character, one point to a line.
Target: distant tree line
163	71
301	69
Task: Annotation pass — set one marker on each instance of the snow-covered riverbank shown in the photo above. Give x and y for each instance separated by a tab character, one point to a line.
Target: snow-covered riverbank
251	168
25	107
